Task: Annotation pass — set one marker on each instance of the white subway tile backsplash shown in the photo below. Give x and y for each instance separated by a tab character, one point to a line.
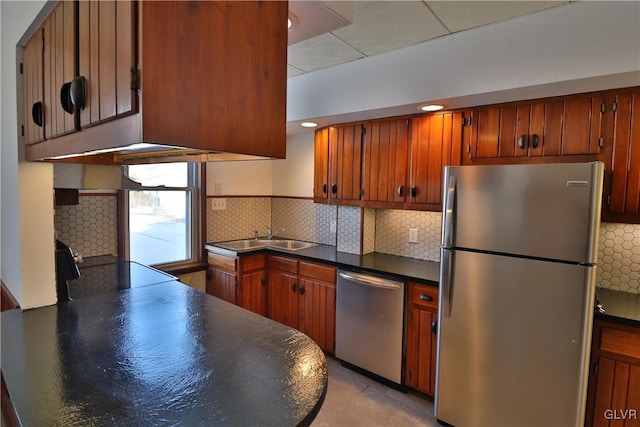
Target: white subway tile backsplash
239	220
392	232
349	229
619	257
303	220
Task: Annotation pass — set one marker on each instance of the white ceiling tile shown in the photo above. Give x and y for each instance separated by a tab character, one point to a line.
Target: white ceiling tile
293	71
386	25
462	15
321	52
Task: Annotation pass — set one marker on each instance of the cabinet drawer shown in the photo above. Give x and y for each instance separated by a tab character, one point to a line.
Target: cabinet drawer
617	341
252	262
222	262
424	295
287	265
320	272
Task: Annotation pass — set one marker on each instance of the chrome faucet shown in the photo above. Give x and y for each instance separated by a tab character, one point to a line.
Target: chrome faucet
269	235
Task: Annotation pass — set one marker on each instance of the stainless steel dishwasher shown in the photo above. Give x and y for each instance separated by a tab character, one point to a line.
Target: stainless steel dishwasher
369	323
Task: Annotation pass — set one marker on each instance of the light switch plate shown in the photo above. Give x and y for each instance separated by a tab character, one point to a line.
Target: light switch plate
413	235
217	188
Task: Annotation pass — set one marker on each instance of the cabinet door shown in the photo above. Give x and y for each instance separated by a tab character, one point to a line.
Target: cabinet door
345	162
625	174
254	292
107	56
317	315
321	166
581	125
422	338
283	297
617	389
222	284
32	90
435	143
60	38
385	158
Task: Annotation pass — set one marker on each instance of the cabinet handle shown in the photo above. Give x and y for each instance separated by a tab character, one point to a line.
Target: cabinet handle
535	141
65	98
334	189
425	297
294	287
263	280
324	188
36	114
78	92
522	141
301	289
414	191
434	327
400	190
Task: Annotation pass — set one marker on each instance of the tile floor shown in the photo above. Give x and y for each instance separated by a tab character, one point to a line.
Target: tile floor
355	400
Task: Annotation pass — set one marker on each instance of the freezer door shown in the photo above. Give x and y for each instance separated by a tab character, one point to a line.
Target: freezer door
513	346
546	210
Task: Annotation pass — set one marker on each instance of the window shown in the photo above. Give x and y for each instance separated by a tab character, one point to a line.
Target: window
163	218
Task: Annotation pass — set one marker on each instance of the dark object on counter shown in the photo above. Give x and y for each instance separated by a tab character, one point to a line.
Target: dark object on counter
618	307
66	269
158	355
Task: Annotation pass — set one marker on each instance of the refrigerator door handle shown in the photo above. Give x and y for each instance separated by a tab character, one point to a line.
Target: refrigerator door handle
449	213
446	288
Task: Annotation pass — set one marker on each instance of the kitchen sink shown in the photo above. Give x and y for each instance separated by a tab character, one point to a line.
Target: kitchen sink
255	244
292	245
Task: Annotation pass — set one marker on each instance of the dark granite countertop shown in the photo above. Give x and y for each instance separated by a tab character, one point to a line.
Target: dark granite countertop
621	307
397	266
158	355
104	274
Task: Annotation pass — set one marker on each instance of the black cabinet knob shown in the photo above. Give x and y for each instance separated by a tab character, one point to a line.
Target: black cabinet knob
334	189
301	289
65	98
78	92
434	327
36	114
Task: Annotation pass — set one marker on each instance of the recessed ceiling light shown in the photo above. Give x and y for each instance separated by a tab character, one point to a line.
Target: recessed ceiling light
431	107
292	21
308	124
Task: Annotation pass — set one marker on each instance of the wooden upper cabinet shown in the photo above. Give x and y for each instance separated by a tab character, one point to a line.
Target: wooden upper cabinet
321	166
107	59
32	86
60	62
385	161
345	162
552	127
624	193
435	143
213	75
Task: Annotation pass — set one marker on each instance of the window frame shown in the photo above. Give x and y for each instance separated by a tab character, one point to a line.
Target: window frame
195	188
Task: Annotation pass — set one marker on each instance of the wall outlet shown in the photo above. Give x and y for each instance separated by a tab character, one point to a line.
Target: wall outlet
217	188
413	235
333	227
219	204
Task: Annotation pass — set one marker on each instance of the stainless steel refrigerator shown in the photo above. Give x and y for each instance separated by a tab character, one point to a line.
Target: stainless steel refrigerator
517	284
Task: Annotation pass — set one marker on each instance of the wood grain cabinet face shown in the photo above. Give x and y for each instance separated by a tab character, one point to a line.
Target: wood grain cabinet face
568	126
107	40
625	168
385	161
32	87
60	65
222	284
614	382
302	295
345	162
422	318
435	143
252	286
321	166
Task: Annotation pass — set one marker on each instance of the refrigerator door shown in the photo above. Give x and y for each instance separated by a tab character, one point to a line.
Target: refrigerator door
513	347
548	211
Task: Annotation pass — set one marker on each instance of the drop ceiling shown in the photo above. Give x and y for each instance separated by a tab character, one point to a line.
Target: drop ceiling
358	29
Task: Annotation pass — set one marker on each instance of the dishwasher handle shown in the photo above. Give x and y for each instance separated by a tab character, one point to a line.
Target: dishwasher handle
372	281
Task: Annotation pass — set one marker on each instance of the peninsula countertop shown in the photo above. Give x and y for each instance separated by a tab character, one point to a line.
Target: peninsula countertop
163	354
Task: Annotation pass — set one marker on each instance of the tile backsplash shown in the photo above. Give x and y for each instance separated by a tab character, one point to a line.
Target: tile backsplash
90	228
619	257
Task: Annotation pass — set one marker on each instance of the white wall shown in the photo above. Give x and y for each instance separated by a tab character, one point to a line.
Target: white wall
291	177
27	251
577	47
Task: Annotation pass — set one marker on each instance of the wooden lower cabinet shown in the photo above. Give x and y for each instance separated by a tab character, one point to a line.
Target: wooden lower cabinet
302	295
614	381
422	321
239	280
